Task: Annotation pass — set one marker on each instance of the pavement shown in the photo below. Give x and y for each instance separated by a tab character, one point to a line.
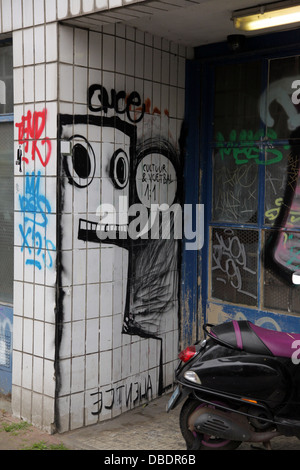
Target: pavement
147	428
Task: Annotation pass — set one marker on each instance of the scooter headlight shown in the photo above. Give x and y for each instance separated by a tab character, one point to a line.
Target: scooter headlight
191	376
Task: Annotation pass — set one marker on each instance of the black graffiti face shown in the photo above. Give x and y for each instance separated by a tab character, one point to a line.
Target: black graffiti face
79	160
109	155
103	151
146	174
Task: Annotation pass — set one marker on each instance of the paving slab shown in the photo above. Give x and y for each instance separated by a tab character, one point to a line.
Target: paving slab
146	428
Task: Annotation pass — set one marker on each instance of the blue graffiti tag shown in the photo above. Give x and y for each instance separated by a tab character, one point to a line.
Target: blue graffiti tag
35	207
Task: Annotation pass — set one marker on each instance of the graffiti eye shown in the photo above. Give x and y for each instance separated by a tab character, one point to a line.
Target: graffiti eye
81	161
119	169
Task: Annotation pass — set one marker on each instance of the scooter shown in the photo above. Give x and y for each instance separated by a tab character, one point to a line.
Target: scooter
240	384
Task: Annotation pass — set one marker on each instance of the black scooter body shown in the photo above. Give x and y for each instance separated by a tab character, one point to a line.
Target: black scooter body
249	380
260	378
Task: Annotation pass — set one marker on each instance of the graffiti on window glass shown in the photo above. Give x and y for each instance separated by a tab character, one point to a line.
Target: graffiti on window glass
282	251
283	92
276	148
249	146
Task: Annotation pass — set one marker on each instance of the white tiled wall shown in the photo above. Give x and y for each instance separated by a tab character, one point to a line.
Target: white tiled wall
35	132
102	370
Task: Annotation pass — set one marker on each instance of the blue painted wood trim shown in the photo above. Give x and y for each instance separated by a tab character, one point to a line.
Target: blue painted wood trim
190	262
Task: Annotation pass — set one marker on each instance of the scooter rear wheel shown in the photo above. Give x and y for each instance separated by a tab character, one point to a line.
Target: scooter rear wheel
197	441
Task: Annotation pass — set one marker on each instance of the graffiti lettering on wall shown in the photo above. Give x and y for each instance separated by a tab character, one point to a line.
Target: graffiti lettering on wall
248	146
35	208
121	102
30	131
127	395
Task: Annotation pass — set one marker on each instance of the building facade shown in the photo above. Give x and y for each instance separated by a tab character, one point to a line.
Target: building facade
102	120
96	122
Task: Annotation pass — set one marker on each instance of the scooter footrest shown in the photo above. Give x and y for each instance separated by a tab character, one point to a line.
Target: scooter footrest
288	427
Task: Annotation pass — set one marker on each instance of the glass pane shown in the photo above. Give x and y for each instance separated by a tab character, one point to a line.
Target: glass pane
6	80
235	187
277	109
237	94
237	137
6	212
281	175
234	265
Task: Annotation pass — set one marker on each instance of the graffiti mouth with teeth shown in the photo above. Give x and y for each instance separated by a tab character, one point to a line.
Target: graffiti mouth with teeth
90	231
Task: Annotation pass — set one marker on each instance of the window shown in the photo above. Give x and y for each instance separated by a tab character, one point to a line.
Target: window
6	175
255	200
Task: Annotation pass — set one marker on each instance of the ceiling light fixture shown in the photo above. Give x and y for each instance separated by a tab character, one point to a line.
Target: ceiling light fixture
267	16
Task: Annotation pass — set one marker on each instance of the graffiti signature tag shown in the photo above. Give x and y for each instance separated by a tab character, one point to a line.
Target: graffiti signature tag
229	256
31	129
248	146
35	208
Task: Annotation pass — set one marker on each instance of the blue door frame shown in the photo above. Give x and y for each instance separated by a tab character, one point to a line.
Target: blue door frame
197	176
190	273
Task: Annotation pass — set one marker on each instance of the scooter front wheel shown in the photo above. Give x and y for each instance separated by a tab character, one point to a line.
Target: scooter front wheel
197	441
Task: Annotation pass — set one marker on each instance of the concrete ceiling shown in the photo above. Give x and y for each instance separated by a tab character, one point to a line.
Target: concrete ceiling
207	22
188	22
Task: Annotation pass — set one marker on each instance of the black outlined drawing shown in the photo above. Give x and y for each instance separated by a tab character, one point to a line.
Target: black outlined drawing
139	169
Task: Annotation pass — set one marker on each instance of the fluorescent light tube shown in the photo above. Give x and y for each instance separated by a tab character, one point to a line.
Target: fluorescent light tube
267	19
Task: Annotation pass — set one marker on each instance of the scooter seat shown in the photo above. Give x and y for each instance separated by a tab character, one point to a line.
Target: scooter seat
280	343
248	337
